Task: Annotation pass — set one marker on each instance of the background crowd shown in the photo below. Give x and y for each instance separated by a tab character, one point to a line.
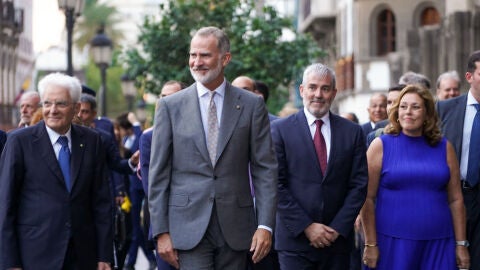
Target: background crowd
220	183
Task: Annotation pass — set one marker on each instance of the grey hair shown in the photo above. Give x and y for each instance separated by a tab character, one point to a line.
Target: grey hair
29	94
453	74
86	98
411	77
223	43
321	70
59	79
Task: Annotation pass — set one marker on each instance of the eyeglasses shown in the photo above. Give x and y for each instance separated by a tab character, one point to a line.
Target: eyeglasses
58	104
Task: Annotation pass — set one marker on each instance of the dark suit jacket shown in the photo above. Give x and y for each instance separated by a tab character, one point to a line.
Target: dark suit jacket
367	128
145	149
38	216
184	186
134	180
114	162
304	195
452	115
3	139
104	124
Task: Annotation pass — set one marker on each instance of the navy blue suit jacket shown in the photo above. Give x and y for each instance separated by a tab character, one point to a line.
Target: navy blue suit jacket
134	181
145	149
104	124
452	115
38	216
3	139
114	162
305	195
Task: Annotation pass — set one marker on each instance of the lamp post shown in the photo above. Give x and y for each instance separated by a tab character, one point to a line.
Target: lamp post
129	91
72	9
101	49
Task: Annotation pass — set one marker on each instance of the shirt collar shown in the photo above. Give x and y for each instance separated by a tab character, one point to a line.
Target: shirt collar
470	99
311	119
202	90
53	135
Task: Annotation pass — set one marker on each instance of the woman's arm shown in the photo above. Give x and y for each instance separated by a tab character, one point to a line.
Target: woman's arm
457	208
367	214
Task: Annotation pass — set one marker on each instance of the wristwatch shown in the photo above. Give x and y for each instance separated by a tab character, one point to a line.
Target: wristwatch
464	243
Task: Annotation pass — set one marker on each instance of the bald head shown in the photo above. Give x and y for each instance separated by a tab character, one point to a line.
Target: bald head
377	109
244	82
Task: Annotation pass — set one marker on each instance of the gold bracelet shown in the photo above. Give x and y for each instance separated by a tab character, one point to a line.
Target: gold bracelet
370	245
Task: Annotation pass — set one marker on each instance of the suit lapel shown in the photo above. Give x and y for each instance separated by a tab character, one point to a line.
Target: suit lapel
192	112
232	109
300	120
458	113
45	148
78	150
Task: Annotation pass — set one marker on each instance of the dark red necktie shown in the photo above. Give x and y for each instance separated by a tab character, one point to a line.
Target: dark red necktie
320	146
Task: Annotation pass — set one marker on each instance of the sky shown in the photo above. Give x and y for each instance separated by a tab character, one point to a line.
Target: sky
48	24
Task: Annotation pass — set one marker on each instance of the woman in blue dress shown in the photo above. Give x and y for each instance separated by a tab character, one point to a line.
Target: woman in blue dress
414	216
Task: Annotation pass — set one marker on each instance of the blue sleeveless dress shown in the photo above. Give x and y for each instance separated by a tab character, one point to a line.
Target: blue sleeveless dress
413	217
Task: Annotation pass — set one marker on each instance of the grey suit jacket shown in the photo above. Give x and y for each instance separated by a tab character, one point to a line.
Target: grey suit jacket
184	186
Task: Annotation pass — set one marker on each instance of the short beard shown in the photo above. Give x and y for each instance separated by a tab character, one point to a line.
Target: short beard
211	75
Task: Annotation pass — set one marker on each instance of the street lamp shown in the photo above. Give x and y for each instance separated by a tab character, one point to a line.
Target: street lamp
128	89
72	9
101	49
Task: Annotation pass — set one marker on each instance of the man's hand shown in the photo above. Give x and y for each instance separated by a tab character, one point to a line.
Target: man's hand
320	235
103	266
261	244
135	158
166	251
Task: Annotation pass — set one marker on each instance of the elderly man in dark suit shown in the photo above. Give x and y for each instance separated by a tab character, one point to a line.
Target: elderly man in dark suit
205	138
55	210
460	118
322	179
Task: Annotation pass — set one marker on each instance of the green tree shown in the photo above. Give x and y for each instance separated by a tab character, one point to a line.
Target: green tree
93	16
257	47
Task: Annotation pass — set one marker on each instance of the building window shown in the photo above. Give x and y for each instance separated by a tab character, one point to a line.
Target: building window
386	32
430	16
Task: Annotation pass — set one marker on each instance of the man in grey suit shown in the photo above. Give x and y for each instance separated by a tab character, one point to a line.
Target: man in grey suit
204	140
461	126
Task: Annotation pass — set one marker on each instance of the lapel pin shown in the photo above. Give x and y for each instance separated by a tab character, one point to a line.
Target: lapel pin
238	107
81	145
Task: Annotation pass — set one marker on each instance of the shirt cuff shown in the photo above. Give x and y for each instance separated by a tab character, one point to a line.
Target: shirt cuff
133	168
266	228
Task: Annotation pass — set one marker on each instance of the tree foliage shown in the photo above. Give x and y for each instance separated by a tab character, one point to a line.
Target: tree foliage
93	16
257	47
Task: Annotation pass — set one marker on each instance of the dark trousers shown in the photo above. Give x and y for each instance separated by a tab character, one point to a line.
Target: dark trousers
212	253
303	261
138	238
472	204
70	262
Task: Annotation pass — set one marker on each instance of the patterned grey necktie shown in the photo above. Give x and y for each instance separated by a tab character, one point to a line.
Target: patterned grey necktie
212	136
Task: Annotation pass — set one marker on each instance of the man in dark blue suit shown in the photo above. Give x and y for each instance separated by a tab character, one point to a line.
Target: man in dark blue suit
458	118
322	179
54	198
377	112
130	134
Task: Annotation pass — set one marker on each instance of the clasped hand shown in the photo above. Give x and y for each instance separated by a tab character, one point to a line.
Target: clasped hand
320	235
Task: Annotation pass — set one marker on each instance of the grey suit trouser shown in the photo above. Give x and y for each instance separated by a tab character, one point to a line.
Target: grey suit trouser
212	253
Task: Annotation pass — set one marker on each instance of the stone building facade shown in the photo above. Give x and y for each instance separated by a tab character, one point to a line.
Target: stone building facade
16	56
371	43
